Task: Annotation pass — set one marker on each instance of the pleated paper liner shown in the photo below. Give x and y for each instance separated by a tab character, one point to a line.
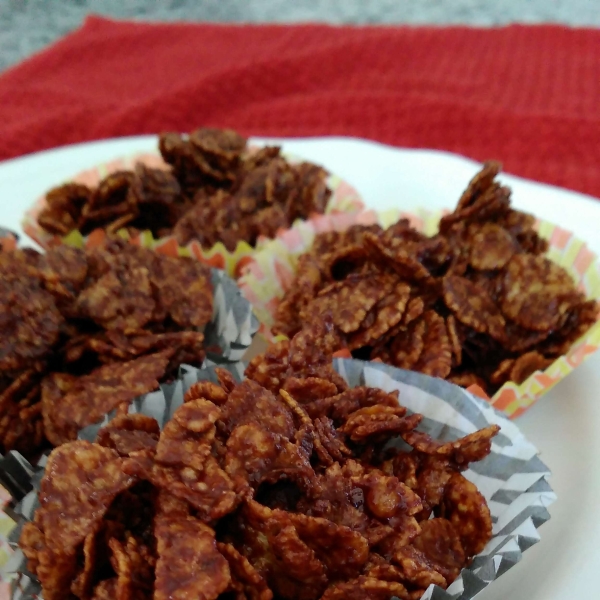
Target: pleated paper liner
271	271
8	239
344	199
512	478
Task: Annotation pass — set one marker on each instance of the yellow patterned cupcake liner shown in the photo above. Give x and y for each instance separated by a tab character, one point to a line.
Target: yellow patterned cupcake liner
344	199
271	271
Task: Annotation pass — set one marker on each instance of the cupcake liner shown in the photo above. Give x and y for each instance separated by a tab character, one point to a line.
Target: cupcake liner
229	334
344	199
8	239
271	271
512	478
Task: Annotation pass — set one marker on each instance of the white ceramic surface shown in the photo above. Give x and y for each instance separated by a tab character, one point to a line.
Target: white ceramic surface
564	424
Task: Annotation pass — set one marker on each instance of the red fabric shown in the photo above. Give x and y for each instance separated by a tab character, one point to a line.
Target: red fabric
529	96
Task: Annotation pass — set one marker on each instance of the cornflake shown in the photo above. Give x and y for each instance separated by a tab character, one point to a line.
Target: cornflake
86	331
291	492
477	303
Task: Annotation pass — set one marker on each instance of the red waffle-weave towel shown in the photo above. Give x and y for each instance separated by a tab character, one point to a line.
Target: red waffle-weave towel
528	96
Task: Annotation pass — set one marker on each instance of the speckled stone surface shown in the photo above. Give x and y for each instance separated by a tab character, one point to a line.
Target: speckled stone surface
27	26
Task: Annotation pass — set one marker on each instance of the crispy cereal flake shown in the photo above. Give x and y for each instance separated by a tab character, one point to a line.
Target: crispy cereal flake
537	292
466	509
189	564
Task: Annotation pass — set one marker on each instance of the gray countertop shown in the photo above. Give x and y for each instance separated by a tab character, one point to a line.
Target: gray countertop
27	26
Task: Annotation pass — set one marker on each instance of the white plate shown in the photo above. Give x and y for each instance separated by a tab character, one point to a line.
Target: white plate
564	424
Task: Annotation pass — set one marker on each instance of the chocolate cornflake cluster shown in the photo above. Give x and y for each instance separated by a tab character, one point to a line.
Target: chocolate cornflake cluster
281	486
215	189
477	303
85	331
